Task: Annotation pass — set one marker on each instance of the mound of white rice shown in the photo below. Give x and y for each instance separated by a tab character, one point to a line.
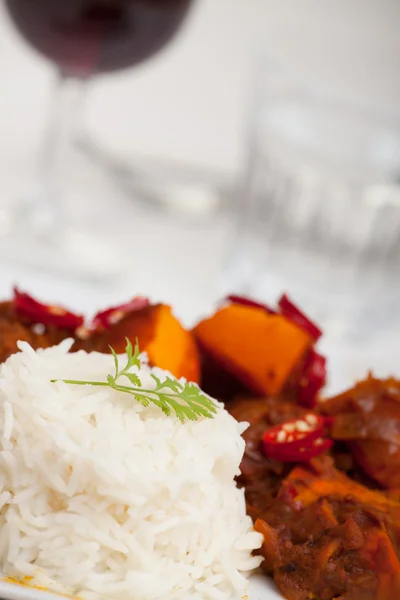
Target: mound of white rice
103	498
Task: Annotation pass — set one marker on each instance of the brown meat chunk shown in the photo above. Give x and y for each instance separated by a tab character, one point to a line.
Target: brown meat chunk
367	419
261	476
328	537
13	328
167	343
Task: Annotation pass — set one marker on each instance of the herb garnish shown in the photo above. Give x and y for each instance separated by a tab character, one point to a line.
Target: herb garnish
186	399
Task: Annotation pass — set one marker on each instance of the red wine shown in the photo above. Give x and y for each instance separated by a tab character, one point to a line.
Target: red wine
86	36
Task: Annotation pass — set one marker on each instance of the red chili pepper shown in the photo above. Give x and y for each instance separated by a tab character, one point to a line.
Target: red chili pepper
312	379
296	440
47	314
105	318
247	302
292	313
306	453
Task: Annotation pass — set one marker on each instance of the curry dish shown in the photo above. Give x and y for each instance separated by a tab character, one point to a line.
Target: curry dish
321	475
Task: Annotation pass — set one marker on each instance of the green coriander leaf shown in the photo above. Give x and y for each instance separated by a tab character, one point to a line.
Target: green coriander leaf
133	378
157	380
128	349
115	360
133	359
186	399
171	384
142	399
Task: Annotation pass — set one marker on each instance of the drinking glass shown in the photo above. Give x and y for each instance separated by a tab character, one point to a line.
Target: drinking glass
83	38
318	212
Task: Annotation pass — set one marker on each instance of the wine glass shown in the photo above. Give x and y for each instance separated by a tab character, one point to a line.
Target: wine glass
83	38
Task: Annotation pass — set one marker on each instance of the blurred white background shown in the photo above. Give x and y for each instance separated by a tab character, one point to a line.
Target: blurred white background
190	103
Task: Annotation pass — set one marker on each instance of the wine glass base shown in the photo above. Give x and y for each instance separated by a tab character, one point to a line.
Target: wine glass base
193	192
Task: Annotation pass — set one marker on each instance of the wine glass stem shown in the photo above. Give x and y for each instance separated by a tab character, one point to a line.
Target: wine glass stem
56	162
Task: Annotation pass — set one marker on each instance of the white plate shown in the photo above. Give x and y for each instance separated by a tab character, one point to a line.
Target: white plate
260	588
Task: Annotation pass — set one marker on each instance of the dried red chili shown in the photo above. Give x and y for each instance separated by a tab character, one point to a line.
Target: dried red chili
48	314
248	302
312	379
297	440
105	318
292	313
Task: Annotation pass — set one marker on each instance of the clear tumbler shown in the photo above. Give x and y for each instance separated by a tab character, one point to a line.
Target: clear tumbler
318	214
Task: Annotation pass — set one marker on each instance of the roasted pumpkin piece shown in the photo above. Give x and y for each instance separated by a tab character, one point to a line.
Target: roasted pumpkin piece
167	343
259	349
328	537
305	381
367	419
160	334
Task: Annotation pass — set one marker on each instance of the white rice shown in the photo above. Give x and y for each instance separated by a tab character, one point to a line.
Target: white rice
103	498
